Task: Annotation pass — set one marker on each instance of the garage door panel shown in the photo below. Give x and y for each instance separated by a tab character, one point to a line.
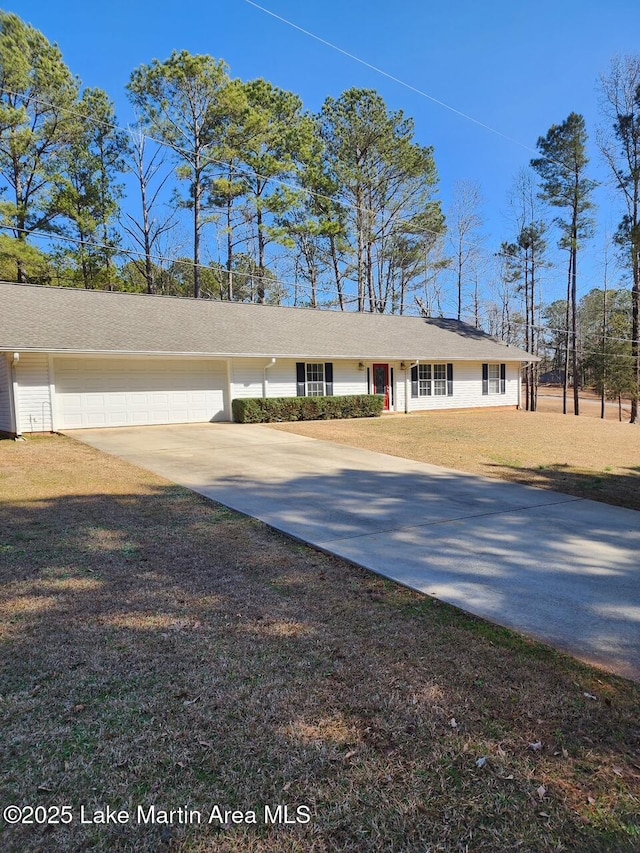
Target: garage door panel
96	419
119	392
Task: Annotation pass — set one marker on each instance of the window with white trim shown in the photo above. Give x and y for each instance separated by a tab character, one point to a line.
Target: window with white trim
432	380
315	380
493	375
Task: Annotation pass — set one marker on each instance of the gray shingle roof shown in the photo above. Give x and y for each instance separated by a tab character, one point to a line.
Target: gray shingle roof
54	319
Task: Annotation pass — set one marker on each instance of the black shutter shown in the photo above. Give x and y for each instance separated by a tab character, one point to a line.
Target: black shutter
503	378
368	380
393	402
414	380
485	378
328	378
300	379
449	380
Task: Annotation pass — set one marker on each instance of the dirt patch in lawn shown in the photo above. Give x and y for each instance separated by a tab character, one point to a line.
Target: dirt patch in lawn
161	650
580	456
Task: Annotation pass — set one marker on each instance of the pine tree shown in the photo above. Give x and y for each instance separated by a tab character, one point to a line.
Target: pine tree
562	169
38	99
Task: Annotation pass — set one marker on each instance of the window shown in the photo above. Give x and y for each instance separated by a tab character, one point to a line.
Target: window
494	379
314	379
432	380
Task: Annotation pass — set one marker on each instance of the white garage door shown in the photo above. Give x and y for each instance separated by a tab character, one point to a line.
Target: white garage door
103	392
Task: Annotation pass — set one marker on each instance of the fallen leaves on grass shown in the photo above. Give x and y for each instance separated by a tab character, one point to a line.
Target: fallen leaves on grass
243	667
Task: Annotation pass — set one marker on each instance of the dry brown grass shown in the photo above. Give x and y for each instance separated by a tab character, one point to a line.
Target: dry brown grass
158	648
550	400
581	456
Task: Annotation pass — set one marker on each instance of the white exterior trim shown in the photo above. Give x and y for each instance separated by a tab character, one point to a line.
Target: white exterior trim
367	359
52	393
41	386
32	390
15	399
7	393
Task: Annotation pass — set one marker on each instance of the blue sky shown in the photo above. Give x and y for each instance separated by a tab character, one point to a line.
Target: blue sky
517	67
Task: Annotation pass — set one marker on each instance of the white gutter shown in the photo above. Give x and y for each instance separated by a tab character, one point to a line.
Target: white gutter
329	356
264	376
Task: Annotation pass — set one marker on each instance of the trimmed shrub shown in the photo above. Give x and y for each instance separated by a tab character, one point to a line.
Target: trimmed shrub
258	410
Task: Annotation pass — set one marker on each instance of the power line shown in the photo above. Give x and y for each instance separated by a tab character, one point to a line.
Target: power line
405	223
408	224
227	165
44	235
271	280
567	331
408	86
392	77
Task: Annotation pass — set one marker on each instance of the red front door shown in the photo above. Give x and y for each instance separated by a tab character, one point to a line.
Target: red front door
381	382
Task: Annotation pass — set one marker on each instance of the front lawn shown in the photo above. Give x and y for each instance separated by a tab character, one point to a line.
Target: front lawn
582	456
161	650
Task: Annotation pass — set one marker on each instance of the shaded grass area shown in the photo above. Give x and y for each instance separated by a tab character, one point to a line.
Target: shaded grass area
583	456
160	649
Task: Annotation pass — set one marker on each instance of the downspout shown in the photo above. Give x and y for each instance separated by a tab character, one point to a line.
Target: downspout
264	377
13	397
407	374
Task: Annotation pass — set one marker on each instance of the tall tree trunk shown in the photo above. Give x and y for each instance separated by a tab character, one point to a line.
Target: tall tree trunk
229	251
197	189
565	382
603	348
336	271
149	273
459	280
574	326
261	255
527	332
532	336
635	319
361	248
476	304
370	291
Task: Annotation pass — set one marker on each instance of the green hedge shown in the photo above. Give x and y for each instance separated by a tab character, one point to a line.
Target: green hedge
257	410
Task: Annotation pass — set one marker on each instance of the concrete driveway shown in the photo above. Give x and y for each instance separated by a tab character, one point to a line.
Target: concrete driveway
555	567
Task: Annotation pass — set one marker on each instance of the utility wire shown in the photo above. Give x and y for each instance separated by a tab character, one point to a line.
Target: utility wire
568	331
44	235
406	85
405	223
392	77
284	282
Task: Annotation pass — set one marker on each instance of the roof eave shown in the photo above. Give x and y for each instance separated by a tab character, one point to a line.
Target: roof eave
506	356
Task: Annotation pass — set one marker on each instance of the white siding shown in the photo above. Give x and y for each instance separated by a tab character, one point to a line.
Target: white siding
467	390
347	379
34	396
6	424
106	392
120	391
247	376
